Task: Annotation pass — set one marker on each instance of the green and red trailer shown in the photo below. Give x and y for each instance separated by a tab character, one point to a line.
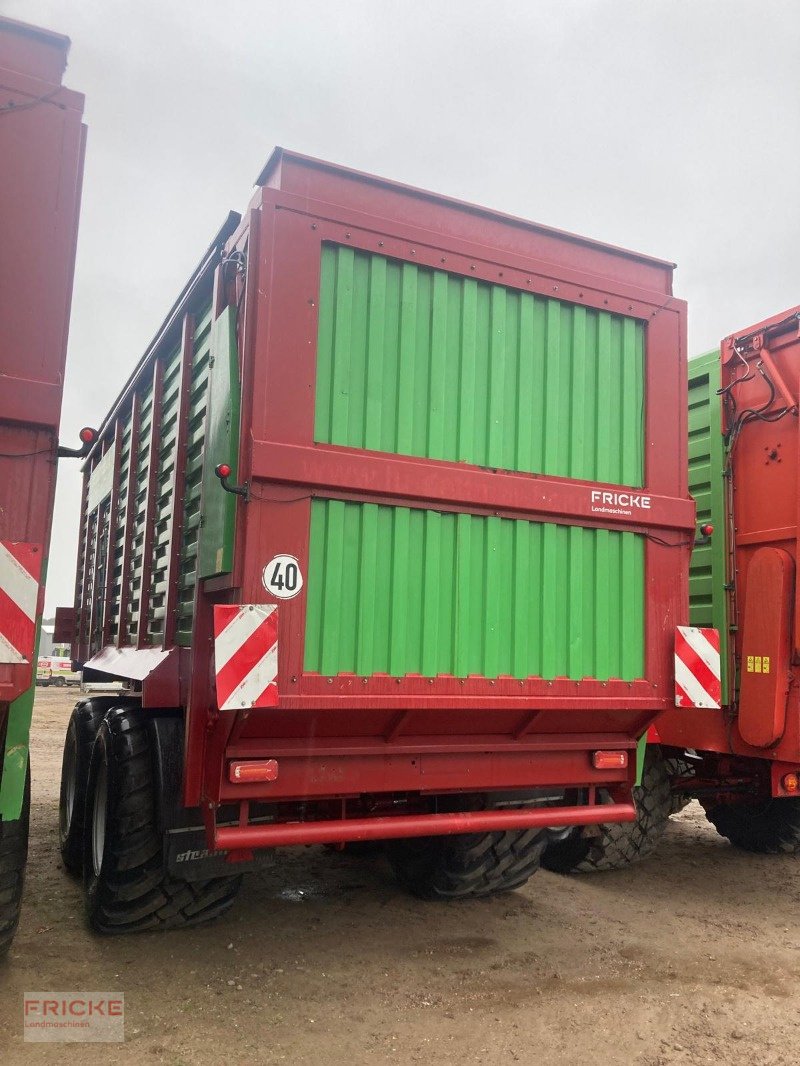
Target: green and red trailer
41	165
387	538
741	758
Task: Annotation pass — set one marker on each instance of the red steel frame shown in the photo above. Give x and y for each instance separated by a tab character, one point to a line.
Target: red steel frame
766	512
345	735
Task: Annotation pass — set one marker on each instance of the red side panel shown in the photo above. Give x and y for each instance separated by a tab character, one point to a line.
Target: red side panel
764	683
41	164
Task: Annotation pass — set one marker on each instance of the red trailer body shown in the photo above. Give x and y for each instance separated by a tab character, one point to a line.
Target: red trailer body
41	148
386	672
41	166
753	504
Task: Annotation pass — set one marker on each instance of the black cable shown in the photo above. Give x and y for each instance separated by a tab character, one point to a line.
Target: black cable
7	109
24	455
668	543
275	499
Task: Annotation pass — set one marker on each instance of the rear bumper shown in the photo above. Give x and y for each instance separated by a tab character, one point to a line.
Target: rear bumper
245	838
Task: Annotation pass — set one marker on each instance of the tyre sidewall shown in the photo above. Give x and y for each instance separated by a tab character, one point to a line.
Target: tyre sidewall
14	838
102	754
67	832
84	723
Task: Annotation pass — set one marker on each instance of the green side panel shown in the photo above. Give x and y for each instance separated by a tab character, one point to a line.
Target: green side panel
421	362
708	601
15	757
641	750
165	482
116	548
399	591
198	400
221	446
165	460
14	769
139	505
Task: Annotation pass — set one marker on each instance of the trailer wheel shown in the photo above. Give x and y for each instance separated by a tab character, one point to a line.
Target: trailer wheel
468	865
13	857
619	844
82	729
771	827
126	884
680	766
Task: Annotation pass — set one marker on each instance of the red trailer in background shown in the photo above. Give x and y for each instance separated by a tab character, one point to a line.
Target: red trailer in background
747	765
740	757
41	164
387	538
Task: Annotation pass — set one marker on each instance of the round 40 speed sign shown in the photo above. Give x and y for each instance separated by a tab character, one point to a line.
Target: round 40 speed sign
283	577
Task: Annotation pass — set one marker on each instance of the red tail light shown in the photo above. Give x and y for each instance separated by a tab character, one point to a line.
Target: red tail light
253	770
610	760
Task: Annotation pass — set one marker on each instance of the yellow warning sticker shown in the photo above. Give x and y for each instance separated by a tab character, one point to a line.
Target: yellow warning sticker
758	664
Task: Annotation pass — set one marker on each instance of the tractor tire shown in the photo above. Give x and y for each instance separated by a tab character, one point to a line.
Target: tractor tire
617	845
466	866
82	729
770	828
13	857
127	887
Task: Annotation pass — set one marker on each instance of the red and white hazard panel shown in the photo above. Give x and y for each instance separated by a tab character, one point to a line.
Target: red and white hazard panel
698	680
20	568
246	655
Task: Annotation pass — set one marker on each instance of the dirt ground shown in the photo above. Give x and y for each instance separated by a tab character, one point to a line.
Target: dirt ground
693	957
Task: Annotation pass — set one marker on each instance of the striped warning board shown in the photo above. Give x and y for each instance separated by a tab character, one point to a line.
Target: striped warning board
246	655
20	568
698	681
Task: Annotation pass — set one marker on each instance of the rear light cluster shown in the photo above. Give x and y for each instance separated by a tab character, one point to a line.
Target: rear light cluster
610	760
253	770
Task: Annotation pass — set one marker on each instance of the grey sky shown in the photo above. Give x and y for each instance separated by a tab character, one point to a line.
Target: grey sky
666	126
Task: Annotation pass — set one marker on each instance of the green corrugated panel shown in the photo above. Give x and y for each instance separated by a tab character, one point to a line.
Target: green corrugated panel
139	505
421	362
115	565
221	445
167	444
708	601
194	473
401	591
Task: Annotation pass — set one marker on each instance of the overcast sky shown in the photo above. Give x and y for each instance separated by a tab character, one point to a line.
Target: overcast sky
666	126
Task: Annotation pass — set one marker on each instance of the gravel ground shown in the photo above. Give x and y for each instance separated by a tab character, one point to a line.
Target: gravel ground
693	957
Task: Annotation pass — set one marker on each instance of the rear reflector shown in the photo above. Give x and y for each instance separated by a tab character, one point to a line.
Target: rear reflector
610	760
253	770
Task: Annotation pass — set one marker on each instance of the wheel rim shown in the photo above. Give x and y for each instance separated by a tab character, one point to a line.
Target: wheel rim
70	785
99	819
